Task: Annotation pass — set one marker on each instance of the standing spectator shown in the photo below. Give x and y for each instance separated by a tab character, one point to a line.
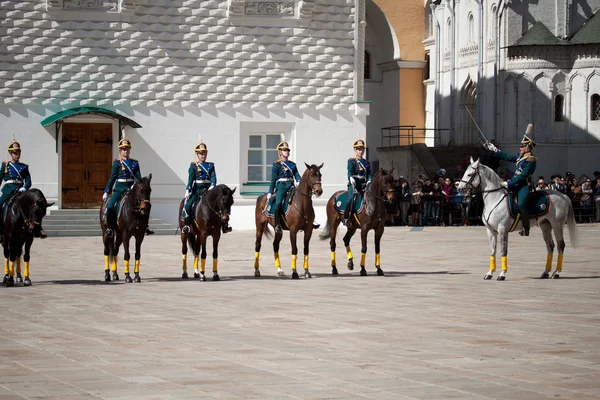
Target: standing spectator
541	184
595	180
565	188
415	202
441	173
404	194
459	173
597	198
427	201
576	194
586	200
448	203
438	198
458	198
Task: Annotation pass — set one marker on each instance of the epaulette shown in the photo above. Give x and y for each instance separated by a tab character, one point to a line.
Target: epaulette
22	163
351	159
531	159
210	162
116	160
133	159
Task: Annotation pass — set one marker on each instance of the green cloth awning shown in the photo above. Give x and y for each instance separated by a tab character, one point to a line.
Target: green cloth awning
59	116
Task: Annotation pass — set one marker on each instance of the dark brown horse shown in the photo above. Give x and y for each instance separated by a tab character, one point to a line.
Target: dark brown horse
209	216
23	216
131	221
373	215
301	216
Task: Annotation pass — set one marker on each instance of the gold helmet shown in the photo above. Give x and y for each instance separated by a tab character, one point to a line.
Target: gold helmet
528	141
123	143
14	146
201	148
358	144
283	146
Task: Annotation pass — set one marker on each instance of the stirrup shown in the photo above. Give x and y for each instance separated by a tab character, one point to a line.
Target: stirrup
278	228
108	233
226	228
185	229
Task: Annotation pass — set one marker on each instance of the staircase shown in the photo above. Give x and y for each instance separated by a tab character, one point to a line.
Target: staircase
86	223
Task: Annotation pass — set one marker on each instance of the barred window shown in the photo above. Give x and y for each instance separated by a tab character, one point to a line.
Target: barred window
595	107
367	72
559	102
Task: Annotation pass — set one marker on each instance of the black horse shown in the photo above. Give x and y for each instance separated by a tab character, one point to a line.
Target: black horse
23	216
131	221
209	215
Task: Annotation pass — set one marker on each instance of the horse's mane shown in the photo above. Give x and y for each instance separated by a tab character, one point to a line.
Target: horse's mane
370	202
489	174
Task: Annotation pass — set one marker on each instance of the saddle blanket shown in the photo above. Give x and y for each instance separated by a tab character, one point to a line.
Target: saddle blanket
286	205
340	200
538	204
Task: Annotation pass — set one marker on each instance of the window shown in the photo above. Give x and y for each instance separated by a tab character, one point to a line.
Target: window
448	34
558	108
471	29
367	72
595	107
426	73
262	153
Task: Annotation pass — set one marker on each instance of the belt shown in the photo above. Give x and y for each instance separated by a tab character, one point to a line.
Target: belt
124	180
359	176
201	181
284	180
14	181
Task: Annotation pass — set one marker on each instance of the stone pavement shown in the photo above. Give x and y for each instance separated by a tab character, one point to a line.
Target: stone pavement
430	329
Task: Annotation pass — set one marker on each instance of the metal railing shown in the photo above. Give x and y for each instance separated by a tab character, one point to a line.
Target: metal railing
405	135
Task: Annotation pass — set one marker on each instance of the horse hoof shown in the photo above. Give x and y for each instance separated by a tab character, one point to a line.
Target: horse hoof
350	264
27	281
257	273
501	278
555	275
487	277
19	278
307	274
10	282
334	271
5	279
115	276
196	275
128	278
107	276
545	275
295	275
137	278
380	272
202	278
363	271
216	277
184	275
280	273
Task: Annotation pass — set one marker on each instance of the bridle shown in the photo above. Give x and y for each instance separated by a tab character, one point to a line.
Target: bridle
384	199
312	188
469	183
138	208
220	213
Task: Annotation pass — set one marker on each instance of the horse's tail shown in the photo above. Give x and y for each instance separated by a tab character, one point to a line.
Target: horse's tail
326	234
573	231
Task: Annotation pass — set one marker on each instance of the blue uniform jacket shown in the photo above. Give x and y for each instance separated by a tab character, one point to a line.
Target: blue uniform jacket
525	168
359	169
128	170
284	170
201	172
16	172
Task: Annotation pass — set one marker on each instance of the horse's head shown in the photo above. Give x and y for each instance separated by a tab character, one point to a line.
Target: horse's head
314	178
140	195
224	201
386	184
471	177
34	206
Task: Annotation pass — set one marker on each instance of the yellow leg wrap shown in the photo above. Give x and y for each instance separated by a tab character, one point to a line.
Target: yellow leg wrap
6	266
349	252
113	266
363	257
306	261
184	262
196	263
136	269
333	258
492	263
256	257
549	262
11	268
378	260
504	263
215	265
26	269
277	261
202	265
294	257
126	268
559	262
18	265
106	263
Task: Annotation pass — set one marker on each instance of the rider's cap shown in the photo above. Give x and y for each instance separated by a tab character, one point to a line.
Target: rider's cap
283	146
14	146
528	141
123	143
359	144
201	147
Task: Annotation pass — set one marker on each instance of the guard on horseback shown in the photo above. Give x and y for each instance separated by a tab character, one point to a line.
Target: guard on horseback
17	179
125	171
284	176
519	183
359	176
202	177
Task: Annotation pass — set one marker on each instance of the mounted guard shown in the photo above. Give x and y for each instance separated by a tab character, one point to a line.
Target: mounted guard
284	176
359	176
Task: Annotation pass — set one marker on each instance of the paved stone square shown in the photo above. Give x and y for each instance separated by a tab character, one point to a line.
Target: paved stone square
430	329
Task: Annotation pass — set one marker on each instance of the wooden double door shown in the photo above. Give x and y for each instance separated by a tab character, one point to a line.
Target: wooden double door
86	164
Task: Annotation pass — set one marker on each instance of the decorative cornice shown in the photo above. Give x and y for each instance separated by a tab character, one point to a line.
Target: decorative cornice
401	64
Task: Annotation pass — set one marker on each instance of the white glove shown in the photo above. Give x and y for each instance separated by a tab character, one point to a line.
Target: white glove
352	181
368	182
187	194
268	196
21	190
490	147
504	184
210	187
104	196
296	183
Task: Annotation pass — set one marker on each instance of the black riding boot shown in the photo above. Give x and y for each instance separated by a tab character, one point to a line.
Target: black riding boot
111	225
39	232
347	211
277	222
525	222
225	228
186	224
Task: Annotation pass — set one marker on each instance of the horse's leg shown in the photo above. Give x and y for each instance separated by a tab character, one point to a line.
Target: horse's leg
260	227
107	255
307	235
115	252
293	242
276	242
139	237
216	237
184	250
333	222
493	237
363	250
196	247
126	257
546	228
349	233
503	253
5	249
560	242
202	237
378	235
26	258
11	270
19	278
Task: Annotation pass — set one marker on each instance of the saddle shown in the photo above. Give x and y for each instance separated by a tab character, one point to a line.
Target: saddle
195	204
8	203
341	199
538	204
287	200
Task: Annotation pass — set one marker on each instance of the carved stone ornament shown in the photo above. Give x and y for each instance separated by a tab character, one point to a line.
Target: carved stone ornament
91	5
275	8
305	8
269	8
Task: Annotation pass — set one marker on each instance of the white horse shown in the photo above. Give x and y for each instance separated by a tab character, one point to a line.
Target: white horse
499	222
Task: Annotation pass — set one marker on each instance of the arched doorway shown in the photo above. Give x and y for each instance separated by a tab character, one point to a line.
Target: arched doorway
468	106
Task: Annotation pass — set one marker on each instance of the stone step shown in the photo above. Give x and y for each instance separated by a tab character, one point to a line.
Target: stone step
98	232
86	221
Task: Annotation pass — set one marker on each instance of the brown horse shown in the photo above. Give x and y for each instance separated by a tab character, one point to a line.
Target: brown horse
131	221
209	215
379	192
301	216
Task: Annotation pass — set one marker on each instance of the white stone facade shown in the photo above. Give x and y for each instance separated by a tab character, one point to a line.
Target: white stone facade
475	67
222	69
